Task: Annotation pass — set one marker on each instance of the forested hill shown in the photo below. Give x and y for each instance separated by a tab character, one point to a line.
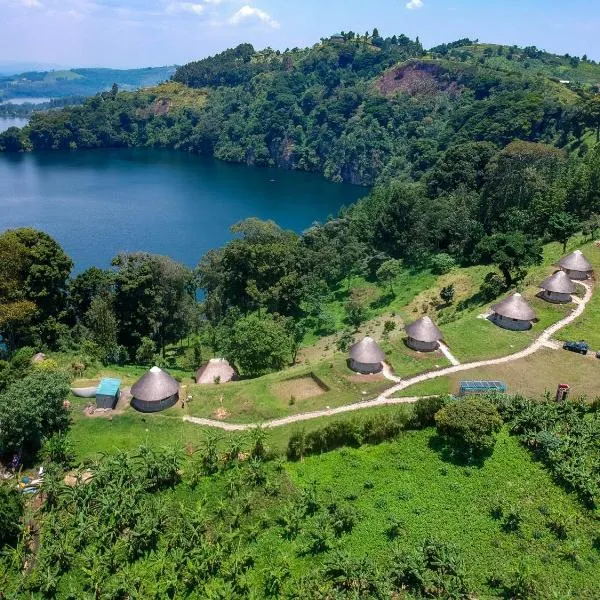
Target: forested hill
354	108
78	82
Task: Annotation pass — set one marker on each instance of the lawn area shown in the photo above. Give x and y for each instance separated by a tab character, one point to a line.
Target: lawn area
531	376
93	436
409	481
284	393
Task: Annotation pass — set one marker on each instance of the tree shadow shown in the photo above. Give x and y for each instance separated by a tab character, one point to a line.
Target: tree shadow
456	454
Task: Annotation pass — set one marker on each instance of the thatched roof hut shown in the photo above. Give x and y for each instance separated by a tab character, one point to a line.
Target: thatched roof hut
513	312
213	369
366	356
154	391
576	266
557	288
38	358
423	335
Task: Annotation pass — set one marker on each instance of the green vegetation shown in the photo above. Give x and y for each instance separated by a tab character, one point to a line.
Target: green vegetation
79	82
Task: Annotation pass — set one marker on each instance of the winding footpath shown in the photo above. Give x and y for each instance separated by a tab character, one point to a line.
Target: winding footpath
385	398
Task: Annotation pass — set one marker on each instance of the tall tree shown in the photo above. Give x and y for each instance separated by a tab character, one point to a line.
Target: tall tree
154	298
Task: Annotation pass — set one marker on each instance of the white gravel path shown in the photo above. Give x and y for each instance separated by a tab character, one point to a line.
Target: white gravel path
385	398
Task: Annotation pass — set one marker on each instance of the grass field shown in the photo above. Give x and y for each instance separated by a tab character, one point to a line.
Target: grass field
409	481
531	376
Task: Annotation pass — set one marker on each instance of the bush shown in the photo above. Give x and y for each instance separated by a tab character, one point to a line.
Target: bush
424	410
493	285
442	263
471	422
11	510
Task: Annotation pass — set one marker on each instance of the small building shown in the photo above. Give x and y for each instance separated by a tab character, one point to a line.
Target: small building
107	393
474	388
513	313
215	370
366	357
154	391
576	266
423	335
557	288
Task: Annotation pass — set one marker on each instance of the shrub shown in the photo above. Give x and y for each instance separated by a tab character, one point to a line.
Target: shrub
493	285
472	422
11	510
424	410
58	449
442	263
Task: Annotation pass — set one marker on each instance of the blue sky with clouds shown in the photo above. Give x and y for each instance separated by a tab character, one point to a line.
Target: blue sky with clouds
127	33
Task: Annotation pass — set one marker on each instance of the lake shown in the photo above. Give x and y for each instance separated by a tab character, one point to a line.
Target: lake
97	203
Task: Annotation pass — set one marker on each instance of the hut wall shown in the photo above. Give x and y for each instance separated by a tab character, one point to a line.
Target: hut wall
106	400
421	346
365	368
577	275
556	297
514	324
148	407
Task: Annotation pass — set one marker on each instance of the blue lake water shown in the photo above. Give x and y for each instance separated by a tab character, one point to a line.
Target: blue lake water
100	202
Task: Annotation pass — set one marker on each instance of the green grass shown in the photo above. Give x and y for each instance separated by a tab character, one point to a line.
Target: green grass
257	400
531	376
410	481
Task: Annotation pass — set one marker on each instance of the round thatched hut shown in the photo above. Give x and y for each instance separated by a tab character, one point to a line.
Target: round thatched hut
557	288
216	370
366	356
154	391
423	335
576	266
514	313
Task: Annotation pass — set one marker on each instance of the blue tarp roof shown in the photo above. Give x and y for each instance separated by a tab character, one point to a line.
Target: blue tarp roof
108	387
481	386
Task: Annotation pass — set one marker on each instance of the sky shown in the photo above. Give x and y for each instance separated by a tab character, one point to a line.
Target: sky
136	33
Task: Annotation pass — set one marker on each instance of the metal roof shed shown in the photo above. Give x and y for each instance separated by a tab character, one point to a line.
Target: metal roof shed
107	393
470	388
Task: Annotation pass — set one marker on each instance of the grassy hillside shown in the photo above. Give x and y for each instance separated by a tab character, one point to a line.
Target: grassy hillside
79	82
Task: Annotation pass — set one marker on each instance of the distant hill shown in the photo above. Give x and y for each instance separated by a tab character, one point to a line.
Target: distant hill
79	82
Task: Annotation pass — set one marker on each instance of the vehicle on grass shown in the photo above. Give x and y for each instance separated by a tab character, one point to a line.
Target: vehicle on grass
581	347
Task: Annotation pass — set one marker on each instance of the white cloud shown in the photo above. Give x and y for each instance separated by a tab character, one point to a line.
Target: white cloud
249	12
414	4
189	7
31	3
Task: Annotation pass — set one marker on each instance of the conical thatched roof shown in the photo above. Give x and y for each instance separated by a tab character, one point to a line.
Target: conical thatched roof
154	386
367	351
215	367
559	283
424	330
575	261
515	307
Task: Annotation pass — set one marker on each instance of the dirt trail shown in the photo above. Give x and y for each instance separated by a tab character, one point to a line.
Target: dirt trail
385	398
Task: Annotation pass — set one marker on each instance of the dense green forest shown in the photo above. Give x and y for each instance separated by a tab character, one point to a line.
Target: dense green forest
78	82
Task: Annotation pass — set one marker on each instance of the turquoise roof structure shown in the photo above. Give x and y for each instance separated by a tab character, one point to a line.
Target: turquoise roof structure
108	387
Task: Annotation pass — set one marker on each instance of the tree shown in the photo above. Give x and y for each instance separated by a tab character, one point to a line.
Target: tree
592	225
442	263
32	409
154	298
144	355
472	422
102	323
447	294
510	252
356	314
86	286
258	344
562	226
33	271
389	271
